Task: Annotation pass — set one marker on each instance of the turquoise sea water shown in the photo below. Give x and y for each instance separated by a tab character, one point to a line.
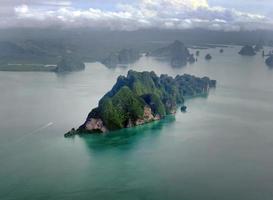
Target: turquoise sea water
222	148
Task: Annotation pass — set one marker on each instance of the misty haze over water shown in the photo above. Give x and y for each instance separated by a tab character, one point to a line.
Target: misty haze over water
220	148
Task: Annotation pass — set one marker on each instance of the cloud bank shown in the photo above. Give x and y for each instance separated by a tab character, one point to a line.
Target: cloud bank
163	14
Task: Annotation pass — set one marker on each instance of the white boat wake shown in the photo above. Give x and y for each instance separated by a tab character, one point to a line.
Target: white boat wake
26	135
39	129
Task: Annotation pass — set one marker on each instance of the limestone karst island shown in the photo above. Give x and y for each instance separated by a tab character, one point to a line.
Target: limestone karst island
142	97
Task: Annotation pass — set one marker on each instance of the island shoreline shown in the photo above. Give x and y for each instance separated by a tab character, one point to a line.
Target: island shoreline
142	98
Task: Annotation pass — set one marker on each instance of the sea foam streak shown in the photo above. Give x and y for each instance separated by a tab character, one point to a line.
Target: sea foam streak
20	139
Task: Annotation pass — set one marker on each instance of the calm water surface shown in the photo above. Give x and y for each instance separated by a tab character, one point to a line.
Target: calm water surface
222	148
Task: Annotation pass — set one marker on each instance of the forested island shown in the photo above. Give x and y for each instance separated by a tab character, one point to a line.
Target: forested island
123	57
208	57
177	54
247	50
66	63
46	56
142	97
69	63
40	50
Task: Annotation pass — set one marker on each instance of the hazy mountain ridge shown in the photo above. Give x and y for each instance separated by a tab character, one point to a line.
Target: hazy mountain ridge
47	46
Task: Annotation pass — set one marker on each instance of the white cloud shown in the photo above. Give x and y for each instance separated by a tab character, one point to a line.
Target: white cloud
23	9
165	14
58	3
175	4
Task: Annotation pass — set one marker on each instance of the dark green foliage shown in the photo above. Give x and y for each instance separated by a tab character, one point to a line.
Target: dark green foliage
115	112
111	116
143	83
126	101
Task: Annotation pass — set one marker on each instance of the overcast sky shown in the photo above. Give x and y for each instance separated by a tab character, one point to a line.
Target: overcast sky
228	15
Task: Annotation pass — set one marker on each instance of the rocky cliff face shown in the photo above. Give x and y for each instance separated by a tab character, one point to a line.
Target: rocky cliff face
148	116
94	124
142	97
97	125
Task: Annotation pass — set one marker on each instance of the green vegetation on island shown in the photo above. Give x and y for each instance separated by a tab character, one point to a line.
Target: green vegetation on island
142	97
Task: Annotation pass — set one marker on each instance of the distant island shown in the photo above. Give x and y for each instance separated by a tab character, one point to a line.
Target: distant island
247	51
27	67
69	63
208	57
259	45
142	97
66	63
122	58
192	59
30	55
177	54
